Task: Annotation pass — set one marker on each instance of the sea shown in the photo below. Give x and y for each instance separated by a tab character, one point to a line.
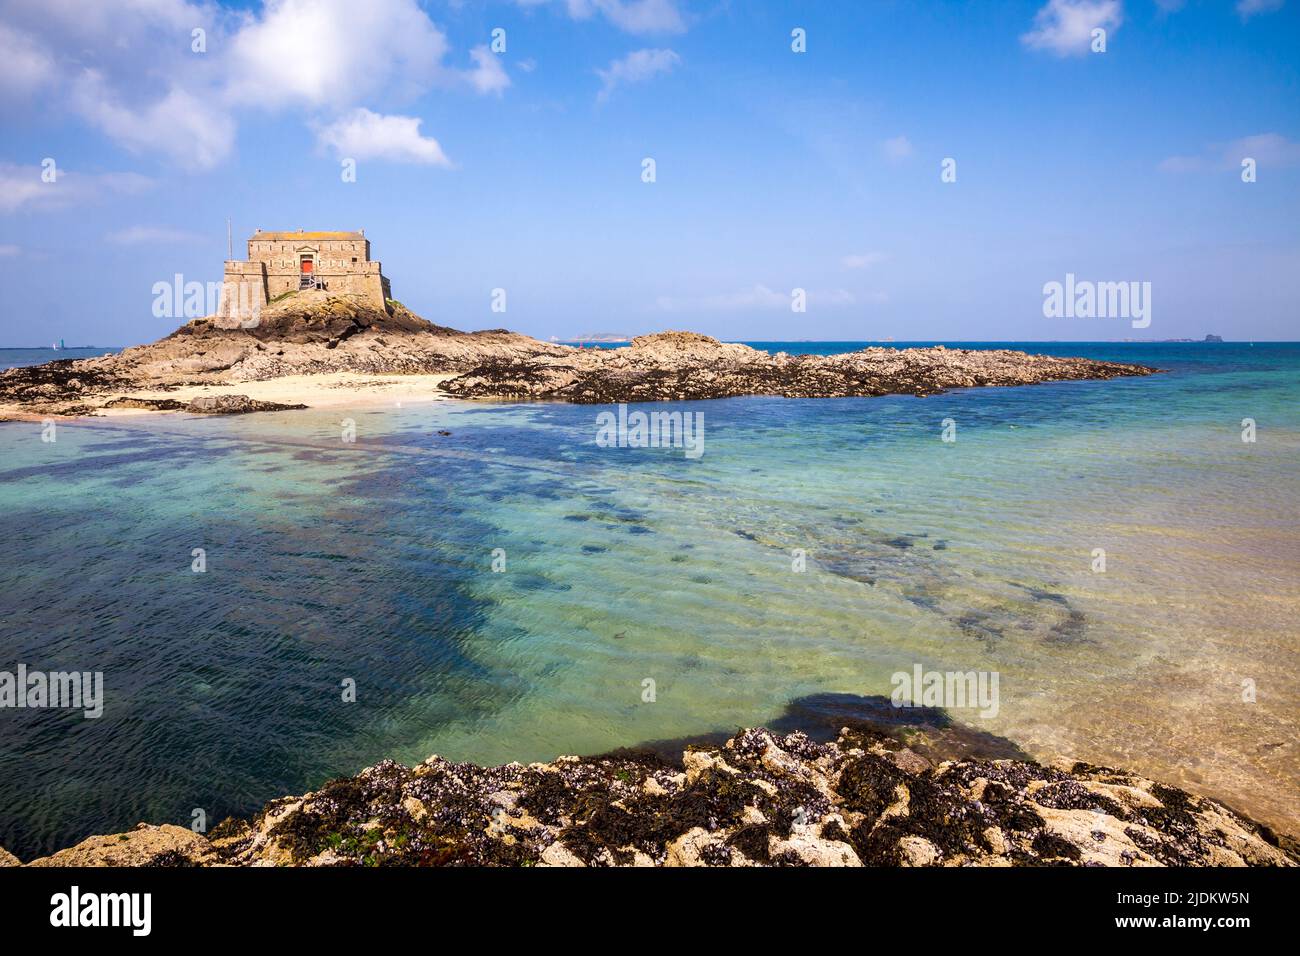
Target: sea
271	605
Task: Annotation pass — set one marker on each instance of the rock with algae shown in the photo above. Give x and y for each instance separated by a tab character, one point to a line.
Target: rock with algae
762	799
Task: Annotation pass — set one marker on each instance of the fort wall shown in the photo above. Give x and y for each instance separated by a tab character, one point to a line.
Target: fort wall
281	262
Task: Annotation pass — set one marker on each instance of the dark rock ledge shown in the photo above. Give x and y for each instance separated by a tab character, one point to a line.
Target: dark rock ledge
761	799
203	405
678	366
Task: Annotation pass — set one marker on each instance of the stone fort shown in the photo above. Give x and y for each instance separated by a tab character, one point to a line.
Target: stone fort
281	262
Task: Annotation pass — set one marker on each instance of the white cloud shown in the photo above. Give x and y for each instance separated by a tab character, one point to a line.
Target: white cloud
1249	8
638	17
128	69
25	65
8	250
182	126
636	67
758	298
488	75
1269	150
90	20
366	135
150	235
897	149
21	187
141	47
125	68
862	260
334	52
1064	27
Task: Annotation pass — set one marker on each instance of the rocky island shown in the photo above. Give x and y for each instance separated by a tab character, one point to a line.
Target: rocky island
760	799
311	343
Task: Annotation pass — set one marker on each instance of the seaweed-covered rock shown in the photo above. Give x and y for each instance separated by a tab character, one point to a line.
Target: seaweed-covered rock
761	799
686	365
234	405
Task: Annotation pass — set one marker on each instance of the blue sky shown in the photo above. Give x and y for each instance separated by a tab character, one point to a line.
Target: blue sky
775	170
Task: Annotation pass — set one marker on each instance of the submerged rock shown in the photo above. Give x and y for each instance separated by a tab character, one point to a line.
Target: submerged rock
761	799
202	405
234	405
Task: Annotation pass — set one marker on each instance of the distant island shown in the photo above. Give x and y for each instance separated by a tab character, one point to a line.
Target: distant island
600	338
1208	338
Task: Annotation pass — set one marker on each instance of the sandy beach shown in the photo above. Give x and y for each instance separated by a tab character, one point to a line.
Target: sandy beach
329	390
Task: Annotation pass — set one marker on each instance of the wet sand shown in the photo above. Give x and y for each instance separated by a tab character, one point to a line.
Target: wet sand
330	390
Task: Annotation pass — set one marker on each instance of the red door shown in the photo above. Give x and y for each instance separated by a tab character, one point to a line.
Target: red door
306	266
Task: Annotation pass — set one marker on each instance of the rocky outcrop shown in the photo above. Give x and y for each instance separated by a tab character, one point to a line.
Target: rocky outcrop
146	845
316	332
307	333
762	799
57	385
686	365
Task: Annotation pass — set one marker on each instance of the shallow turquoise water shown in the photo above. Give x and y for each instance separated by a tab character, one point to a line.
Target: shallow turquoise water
372	562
